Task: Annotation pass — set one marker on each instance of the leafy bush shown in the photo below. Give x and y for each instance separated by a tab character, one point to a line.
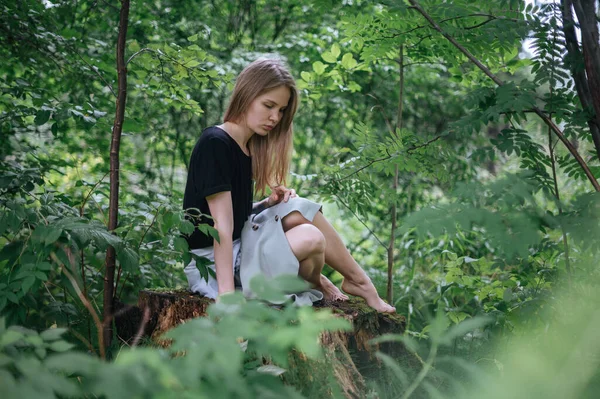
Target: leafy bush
239	350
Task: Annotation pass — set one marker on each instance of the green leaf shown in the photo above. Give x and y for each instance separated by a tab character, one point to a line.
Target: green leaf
41	352
193	38
319	67
52	334
348	61
41	117
192	63
52	235
186	227
40	275
34	339
27	283
288	283
328	57
213	233
128	258
44	266
74	362
12	297
266	290
10	337
181	244
209	231
451	255
60	346
306	76
84	232
335	50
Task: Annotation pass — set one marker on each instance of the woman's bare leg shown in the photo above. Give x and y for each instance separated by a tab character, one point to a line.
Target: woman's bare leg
356	282
308	245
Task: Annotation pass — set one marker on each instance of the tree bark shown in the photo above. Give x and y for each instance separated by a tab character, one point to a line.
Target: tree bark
348	354
578	66
109	271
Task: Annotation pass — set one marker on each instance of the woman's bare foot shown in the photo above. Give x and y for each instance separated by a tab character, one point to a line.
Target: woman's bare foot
366	290
330	291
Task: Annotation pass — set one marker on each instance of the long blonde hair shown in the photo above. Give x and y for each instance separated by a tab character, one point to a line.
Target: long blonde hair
271	154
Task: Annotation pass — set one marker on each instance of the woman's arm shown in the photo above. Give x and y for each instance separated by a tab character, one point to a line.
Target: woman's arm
221	210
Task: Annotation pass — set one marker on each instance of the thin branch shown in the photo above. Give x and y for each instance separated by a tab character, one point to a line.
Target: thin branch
149	227
85	302
489	16
419	41
97	72
479	24
408	151
417	147
381	107
366	166
466	52
408	64
114	8
83	340
138	53
361	221
90	193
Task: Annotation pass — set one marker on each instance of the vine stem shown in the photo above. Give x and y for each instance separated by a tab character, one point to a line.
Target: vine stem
548	121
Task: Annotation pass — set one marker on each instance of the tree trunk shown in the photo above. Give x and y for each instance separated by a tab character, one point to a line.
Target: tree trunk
109	271
348	354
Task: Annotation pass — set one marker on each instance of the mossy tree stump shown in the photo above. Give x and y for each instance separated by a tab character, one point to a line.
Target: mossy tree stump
346	352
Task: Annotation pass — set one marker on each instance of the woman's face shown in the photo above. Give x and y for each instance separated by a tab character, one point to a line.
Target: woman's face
266	110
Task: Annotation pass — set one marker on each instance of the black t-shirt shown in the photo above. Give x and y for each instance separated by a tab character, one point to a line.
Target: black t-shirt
218	164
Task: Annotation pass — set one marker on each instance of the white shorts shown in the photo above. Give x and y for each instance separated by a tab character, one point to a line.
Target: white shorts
197	283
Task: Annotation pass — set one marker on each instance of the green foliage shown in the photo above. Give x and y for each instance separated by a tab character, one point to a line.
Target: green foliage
221	355
492	214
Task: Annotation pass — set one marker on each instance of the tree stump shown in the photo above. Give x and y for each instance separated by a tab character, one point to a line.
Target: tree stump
347	353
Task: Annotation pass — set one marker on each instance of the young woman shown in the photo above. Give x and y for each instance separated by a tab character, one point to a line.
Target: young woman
254	143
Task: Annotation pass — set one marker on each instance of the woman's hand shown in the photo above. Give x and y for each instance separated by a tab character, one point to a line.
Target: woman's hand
280	193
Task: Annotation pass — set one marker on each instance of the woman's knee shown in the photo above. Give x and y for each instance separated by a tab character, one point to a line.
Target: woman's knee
306	240
317	239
